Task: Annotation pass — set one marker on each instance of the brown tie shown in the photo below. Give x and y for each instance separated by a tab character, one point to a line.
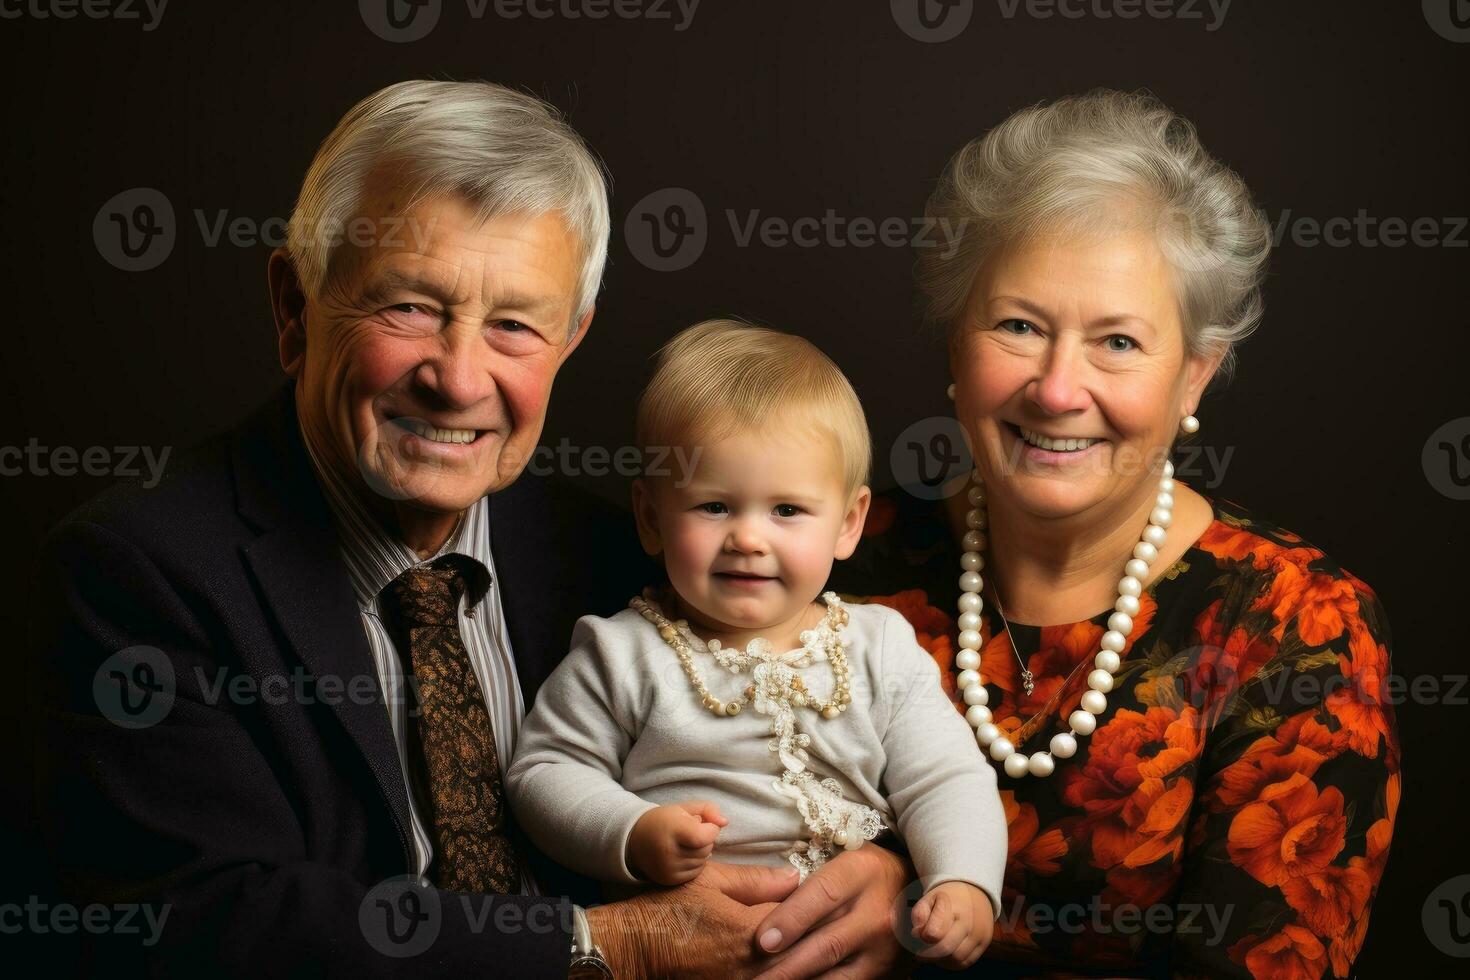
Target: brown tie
473	852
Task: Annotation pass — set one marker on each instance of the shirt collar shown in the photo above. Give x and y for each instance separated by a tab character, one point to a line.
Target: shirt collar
375	556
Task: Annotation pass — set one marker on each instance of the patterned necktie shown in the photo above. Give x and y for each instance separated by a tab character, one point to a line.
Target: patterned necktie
461	771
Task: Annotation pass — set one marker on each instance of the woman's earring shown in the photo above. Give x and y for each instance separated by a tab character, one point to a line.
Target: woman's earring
950	392
1189	424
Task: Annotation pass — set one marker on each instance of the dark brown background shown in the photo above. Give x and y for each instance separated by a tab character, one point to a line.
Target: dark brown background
792	108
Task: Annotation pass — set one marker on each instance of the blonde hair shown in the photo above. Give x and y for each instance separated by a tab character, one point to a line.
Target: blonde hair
721	377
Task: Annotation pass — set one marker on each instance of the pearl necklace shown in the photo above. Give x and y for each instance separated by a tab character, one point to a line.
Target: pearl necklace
834	821
1083	721
793	688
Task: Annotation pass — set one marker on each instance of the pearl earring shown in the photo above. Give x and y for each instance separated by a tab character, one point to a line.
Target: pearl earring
950	391
1189	424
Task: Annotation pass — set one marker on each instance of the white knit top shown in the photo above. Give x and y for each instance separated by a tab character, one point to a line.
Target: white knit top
618	729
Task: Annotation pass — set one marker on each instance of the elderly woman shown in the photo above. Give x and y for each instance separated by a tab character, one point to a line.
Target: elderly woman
1183	700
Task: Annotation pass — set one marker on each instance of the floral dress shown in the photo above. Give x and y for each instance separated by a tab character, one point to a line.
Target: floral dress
1231	815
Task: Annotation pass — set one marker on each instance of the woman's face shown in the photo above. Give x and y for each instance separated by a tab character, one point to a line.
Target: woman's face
1080	342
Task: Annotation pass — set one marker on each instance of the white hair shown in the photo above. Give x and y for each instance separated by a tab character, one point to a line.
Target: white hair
506	152
1081	164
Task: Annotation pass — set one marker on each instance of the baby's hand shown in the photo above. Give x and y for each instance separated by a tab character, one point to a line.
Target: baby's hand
954	920
670	844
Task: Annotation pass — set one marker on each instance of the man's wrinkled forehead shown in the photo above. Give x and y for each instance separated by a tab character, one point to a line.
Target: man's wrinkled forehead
443	248
503	273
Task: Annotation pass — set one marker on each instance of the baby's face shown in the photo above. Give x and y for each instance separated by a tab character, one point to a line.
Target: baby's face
749	541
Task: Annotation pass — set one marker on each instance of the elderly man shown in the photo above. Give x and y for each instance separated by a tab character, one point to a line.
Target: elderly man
279	688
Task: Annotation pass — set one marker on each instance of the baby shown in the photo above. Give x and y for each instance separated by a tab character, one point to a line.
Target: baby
742	713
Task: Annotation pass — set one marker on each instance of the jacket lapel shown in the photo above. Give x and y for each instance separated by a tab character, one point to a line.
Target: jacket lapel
532	593
297	563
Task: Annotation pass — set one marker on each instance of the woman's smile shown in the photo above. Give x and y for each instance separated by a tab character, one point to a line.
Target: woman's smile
1033	447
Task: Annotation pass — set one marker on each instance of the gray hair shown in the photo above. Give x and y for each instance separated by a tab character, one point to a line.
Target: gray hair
505	151
1078	165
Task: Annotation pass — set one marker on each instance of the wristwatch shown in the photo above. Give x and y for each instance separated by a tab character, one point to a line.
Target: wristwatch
587	961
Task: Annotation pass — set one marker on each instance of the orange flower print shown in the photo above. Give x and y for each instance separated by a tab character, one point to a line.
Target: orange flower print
1328	603
998	667
1345	948
1024	849
1062	649
1347	943
1139	886
1128	749
1381	833
1229	657
1360	704
1237	543
1299	744
1011	930
1326	902
1135	802
1290	954
1320	604
1291	831
1149	828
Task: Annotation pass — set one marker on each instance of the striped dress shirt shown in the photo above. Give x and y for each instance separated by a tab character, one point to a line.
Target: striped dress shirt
376	557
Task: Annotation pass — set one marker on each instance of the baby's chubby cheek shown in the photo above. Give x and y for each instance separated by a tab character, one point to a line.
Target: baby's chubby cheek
811	557
686	575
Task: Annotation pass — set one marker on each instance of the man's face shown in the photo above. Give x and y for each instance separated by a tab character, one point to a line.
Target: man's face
429	356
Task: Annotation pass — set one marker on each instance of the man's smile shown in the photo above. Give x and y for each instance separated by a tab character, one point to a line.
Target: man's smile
433	433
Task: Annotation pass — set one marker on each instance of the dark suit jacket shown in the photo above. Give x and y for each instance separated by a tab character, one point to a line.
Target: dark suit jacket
263	821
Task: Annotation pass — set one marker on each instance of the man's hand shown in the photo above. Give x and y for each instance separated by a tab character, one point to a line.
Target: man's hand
954	921
841	919
704	928
670	844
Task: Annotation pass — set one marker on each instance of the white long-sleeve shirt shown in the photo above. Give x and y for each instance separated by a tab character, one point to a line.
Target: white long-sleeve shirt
618	729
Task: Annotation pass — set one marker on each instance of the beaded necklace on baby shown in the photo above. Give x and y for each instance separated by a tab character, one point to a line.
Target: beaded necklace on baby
835	822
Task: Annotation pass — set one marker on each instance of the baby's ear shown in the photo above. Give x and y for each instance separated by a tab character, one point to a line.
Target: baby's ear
646	516
852	523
